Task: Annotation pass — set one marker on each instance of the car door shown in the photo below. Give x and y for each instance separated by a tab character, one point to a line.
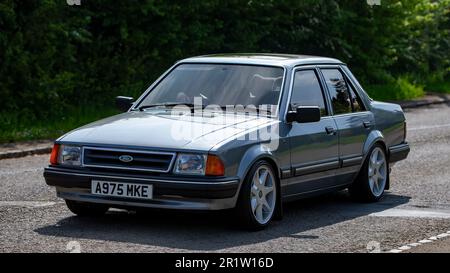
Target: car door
314	145
353	121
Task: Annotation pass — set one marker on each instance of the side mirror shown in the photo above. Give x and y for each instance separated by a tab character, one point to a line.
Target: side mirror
304	114
124	103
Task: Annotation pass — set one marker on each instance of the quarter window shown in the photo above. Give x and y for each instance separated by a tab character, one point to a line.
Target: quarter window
307	91
357	104
340	98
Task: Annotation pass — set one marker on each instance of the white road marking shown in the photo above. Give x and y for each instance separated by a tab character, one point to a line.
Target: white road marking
27	204
412	213
429	127
421	242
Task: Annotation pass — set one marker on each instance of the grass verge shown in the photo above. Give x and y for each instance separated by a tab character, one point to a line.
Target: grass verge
15	126
439	87
401	89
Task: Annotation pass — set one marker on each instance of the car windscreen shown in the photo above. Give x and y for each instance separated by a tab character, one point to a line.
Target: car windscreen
219	84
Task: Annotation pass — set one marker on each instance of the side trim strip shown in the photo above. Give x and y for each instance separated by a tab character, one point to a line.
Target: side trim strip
144	179
352	161
317	168
286	173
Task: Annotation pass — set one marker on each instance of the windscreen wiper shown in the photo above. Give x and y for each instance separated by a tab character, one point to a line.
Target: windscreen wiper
256	110
167	104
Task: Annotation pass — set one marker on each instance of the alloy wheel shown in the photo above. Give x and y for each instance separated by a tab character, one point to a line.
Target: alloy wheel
263	194
377	172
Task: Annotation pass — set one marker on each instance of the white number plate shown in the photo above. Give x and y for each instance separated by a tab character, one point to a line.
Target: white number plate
119	189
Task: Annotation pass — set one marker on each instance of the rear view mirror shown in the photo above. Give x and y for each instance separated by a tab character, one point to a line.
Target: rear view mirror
124	103
304	114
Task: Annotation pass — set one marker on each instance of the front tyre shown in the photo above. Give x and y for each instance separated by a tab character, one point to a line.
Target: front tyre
86	209
373	177
258	197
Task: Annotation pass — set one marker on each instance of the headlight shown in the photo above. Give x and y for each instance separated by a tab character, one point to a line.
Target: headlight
199	164
190	164
69	155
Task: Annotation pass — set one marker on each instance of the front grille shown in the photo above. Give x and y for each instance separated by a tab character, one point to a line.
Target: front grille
109	158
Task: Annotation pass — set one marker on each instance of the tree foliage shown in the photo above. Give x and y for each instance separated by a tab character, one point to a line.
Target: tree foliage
54	56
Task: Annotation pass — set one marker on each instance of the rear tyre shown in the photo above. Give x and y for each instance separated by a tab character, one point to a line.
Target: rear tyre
86	209
258	197
371	182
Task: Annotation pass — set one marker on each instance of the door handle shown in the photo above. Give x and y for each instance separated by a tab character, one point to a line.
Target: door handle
330	130
367	124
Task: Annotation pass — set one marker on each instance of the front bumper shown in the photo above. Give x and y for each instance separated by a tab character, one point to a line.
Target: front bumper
172	193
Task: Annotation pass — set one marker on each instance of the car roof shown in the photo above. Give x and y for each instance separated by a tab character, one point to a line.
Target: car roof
286	60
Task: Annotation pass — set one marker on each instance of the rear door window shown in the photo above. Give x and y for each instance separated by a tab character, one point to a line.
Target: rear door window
338	89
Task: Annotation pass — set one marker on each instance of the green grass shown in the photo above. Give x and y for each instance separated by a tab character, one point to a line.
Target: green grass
401	89
16	127
439	87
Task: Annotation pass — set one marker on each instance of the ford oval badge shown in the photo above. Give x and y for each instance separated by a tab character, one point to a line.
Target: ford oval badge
126	158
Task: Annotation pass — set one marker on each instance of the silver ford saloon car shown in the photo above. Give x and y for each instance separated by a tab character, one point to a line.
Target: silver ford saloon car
242	131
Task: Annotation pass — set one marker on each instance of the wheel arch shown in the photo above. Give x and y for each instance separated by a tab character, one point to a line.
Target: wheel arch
253	155
250	158
376	137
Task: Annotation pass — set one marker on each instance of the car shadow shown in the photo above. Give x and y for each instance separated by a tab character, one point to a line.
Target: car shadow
213	231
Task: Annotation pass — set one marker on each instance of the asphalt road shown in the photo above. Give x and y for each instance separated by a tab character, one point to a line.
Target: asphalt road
32	219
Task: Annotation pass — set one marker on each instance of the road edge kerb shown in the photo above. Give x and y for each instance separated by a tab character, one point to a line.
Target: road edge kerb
436	99
25	152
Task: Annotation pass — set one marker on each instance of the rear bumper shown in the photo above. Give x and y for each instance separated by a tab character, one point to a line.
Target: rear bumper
398	152
201	194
